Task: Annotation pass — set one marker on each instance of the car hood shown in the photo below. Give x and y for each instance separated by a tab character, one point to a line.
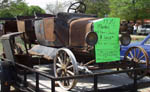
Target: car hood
135	44
132	44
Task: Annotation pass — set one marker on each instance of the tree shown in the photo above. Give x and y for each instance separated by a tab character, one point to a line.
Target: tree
12	8
35	9
6	3
98	7
58	6
130	9
18	8
6	13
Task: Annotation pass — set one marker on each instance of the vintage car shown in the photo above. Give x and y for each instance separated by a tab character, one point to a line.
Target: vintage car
143	44
67	39
137	51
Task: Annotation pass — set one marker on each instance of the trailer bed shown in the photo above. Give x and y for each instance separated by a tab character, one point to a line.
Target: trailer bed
115	82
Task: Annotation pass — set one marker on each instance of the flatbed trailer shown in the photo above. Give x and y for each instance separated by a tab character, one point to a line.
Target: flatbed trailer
32	80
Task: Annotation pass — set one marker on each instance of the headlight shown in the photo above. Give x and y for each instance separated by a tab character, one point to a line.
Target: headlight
125	39
91	38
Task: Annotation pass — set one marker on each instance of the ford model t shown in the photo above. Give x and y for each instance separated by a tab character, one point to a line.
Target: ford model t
73	41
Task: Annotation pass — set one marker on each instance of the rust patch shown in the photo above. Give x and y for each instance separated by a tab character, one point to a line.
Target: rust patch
21	26
78	30
49	29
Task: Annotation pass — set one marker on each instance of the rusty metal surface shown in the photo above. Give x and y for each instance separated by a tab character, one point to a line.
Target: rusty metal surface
30	32
52	31
10	26
39	31
49	29
62	31
78	30
44	30
43	15
62	25
21	26
25	17
27	27
66	16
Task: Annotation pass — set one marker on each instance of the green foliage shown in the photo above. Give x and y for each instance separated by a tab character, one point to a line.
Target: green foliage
130	9
98	7
124	9
11	8
19	9
5	13
35	9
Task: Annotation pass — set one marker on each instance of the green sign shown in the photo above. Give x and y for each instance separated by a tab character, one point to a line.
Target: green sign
107	48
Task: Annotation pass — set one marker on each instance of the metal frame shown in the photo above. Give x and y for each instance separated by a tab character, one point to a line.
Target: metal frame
134	86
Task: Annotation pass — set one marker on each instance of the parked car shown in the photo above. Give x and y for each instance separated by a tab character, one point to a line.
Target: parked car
144	29
145	44
138	52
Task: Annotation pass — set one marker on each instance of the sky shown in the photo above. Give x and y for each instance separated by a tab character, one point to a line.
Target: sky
41	3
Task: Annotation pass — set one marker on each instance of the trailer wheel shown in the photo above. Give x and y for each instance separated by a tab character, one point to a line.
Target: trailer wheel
65	64
140	58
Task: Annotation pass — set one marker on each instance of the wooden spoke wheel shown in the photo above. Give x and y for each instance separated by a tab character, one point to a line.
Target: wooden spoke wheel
65	65
77	7
140	59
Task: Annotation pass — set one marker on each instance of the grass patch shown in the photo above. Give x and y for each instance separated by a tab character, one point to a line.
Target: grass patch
137	39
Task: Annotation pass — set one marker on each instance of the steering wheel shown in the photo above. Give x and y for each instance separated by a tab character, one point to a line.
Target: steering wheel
77	7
